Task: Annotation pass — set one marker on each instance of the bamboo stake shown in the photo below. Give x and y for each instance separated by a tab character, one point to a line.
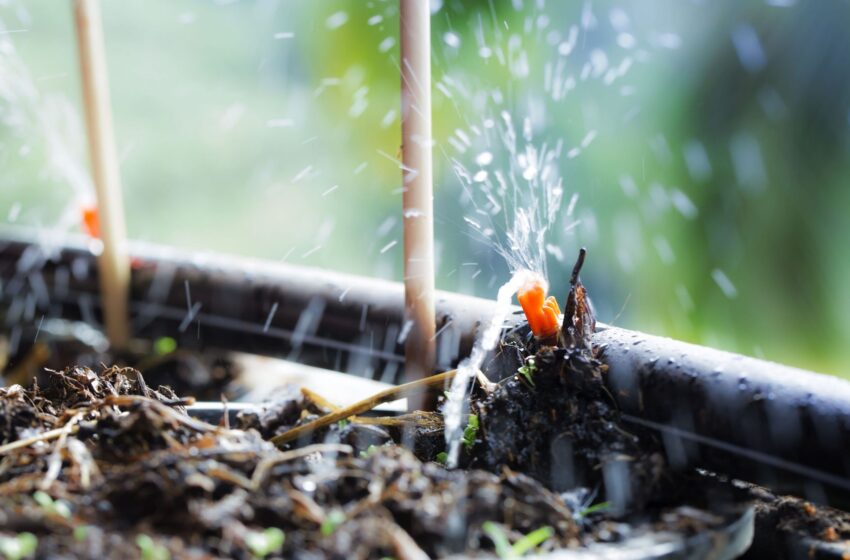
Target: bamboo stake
113	262
418	190
387	395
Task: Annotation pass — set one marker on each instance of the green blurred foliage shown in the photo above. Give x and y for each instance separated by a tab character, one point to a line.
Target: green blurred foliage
270	128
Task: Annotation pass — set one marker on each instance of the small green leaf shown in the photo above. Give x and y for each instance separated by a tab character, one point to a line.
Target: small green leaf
499	538
81	533
342	424
22	545
532	540
164	345
263	543
332	520
470	432
595	508
528	370
62	509
504	548
442	457
151	550
43	499
51	506
369	452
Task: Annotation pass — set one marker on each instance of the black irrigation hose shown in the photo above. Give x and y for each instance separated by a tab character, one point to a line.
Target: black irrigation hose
319	317
779	426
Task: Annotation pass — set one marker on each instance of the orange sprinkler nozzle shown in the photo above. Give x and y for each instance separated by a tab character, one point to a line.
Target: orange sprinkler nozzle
541	312
91	221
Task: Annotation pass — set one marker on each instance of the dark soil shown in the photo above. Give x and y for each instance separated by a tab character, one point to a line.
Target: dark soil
558	425
132	463
792	528
120	471
208	376
97	463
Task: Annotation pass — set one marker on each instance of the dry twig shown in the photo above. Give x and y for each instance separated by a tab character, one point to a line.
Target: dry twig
388	395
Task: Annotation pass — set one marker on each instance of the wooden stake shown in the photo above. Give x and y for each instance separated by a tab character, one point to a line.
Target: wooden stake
418	214
113	262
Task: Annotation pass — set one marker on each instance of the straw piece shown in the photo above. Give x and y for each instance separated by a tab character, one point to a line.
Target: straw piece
418	215
113	262
43	436
418	418
387	395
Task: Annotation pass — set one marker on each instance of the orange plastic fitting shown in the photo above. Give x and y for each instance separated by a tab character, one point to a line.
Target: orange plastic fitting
540	311
91	221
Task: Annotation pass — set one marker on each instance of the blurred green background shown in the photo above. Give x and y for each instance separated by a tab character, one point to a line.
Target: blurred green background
713	184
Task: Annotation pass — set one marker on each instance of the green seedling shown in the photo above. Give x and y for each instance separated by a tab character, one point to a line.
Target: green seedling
263	543
51	506
470	432
528	370
506	550
499	538
332	520
342	424
150	550
22	545
532	540
442	457
81	533
595	508
164	345
369	452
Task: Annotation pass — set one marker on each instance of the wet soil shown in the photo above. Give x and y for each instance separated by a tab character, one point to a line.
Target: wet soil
559	425
102	464
130	465
207	376
792	528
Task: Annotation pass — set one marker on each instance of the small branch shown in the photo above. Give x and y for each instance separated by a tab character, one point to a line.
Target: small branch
421	418
582	253
55	461
263	468
388	395
579	322
403	544
417	418
44	436
319	400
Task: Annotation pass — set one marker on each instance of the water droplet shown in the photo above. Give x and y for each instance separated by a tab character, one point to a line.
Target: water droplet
336	20
484	158
451	39
386	44
724	283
